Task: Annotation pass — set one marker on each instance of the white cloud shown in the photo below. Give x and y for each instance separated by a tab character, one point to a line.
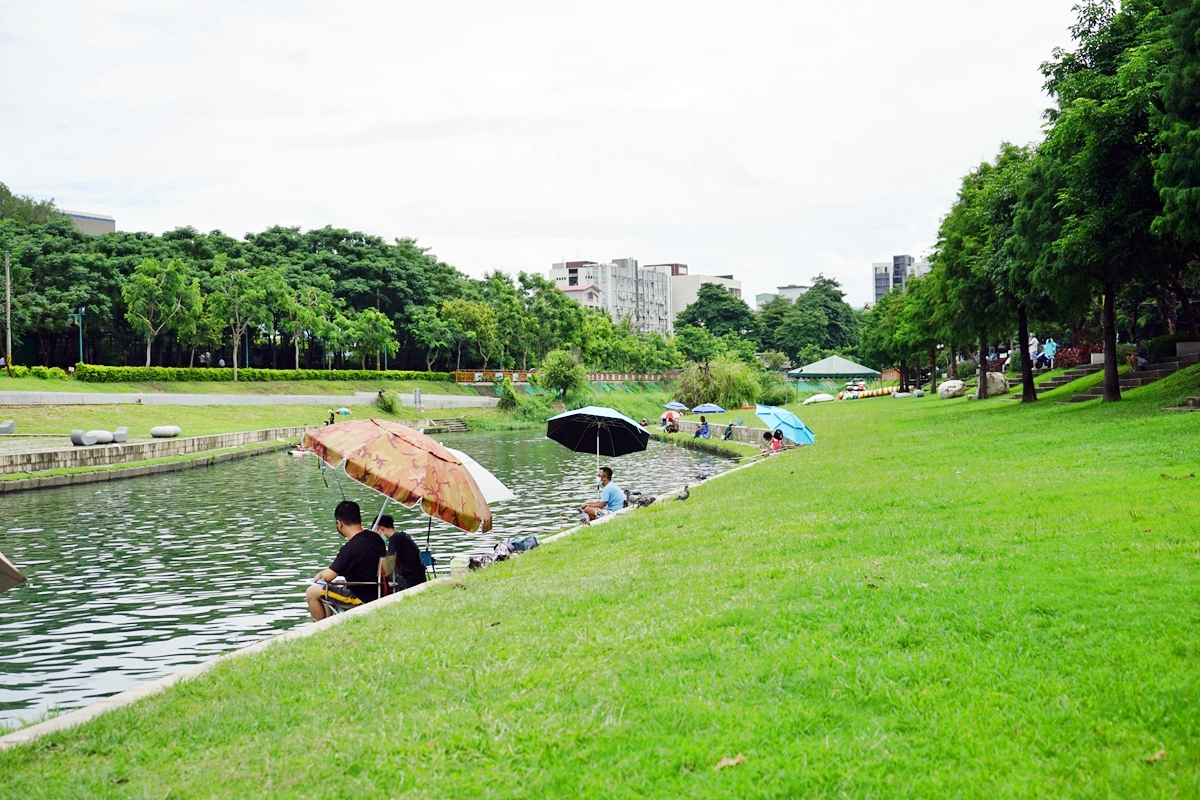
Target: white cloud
775	140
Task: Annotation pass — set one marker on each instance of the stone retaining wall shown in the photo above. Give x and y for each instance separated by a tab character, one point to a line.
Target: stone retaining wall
120	473
107	455
740	434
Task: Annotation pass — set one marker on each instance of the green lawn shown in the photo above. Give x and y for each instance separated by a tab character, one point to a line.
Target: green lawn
940	599
201	420
30	384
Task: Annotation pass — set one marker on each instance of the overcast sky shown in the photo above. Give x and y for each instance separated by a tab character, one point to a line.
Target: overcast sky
770	140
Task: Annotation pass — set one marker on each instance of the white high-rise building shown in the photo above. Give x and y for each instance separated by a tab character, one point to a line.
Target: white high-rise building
625	291
896	274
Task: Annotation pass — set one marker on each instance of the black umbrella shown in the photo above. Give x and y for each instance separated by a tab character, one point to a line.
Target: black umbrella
597	429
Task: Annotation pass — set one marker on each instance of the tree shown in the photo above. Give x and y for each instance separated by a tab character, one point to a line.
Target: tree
726	381
370	332
720	312
433	334
238	299
25	209
470	322
841	326
561	372
696	344
801	327
1101	135
156	294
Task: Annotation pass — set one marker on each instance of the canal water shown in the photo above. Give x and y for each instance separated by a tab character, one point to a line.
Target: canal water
132	580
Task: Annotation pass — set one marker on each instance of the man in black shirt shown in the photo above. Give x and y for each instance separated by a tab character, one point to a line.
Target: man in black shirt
357	561
409	569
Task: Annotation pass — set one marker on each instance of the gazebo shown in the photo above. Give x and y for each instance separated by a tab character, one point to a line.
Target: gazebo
832	368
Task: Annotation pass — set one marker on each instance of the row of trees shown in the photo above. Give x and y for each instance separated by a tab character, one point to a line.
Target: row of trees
329	296
1102	215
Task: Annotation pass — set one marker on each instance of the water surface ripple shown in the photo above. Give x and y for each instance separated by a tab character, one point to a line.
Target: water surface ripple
132	580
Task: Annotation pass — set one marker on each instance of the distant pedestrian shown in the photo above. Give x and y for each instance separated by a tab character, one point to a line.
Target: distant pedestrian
221	363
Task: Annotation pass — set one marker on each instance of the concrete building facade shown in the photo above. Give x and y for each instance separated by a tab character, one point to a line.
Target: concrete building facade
896	274
622	288
89	223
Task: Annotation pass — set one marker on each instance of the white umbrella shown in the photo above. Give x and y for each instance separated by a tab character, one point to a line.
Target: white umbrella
9	575
493	490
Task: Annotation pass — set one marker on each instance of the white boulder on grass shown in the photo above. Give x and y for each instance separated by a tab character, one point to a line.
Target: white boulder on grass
8	426
165	431
101	437
996	384
950	389
819	398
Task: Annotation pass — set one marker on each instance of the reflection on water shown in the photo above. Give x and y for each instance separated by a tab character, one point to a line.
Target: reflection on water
132	580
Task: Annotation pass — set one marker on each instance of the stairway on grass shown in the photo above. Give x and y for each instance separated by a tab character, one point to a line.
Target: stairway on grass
1070	376
1150	374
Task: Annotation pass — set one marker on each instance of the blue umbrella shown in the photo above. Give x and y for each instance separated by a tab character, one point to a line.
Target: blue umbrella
780	419
674	406
708	408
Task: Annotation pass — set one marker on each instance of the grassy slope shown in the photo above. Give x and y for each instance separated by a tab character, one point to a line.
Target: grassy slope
942	598
201	420
30	384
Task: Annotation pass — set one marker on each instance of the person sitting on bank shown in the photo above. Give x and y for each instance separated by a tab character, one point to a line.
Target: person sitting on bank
766	451
1140	358
357	562
612	499
409	569
702	432
777	442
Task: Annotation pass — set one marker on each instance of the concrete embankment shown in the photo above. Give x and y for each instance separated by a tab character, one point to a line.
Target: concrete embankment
109	455
121	473
165	399
740	434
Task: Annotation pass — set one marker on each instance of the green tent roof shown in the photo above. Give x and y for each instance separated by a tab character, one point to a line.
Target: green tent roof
834	367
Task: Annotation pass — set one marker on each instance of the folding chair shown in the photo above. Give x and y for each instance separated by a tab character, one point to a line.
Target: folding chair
387	568
429	563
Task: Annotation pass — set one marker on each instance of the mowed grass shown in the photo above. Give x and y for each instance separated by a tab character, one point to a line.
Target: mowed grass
202	420
332	387
942	598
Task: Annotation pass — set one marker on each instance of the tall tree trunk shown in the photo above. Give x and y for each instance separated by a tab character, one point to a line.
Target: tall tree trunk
1028	393
917	370
296	344
1188	314
952	366
1112	381
192	358
235	355
458	363
933	369
148	341
429	361
981	391
1166	309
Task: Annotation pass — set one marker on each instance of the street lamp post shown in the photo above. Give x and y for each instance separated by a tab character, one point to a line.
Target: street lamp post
77	318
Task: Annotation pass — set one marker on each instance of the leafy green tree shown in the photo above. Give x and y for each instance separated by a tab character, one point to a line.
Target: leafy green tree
1101	135
728	382
370	333
469	321
720	312
25	209
841	325
433	334
238	299
561	372
697	344
802	326
770	319
157	294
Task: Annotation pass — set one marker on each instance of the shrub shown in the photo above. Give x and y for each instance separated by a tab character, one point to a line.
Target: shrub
1161	347
725	381
775	396
47	373
388	401
19	371
1074	356
561	372
92	373
508	398
534	408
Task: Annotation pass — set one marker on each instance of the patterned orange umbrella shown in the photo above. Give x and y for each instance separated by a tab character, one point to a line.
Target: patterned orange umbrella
405	465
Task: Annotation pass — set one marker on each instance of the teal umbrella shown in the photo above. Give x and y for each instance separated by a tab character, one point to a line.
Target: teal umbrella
780	419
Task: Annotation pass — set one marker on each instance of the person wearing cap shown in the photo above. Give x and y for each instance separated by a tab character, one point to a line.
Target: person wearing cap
409	569
357	562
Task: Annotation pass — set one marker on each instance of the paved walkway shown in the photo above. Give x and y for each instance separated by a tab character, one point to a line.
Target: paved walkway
165	399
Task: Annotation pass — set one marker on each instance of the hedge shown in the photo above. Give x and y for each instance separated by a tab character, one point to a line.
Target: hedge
92	373
45	373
